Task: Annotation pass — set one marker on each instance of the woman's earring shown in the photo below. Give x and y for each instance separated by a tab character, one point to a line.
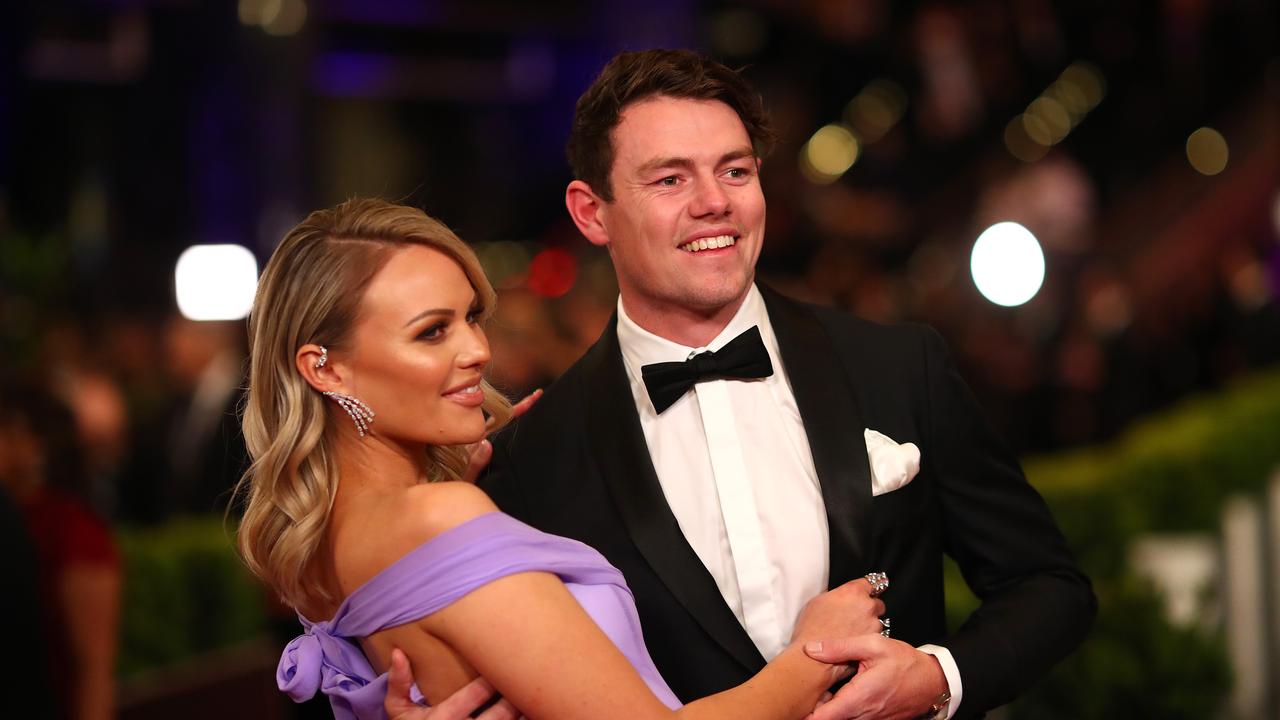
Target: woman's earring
324	357
359	412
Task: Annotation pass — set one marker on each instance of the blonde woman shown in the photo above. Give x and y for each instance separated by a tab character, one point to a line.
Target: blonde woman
366	391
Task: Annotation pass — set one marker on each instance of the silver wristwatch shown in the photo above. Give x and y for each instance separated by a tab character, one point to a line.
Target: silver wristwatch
938	711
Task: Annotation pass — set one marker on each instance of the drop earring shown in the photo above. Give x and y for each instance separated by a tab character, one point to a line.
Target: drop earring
359	412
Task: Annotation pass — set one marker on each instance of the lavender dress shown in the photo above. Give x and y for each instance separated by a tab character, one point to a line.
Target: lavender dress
433	575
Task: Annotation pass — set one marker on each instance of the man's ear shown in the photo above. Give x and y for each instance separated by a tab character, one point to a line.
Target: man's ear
587	210
327	376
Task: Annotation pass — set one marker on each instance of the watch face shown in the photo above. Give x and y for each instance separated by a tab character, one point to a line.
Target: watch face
939	709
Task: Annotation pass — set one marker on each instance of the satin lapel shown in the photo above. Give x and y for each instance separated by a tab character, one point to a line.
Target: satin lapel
833	424
622	458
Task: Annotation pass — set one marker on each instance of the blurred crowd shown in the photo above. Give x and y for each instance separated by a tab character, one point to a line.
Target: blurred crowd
133	425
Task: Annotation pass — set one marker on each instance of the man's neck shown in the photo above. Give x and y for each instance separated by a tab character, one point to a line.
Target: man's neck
687	326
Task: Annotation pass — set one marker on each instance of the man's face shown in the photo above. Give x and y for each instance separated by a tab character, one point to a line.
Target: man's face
687	220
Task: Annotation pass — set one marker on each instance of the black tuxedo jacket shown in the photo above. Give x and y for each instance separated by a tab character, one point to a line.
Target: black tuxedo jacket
577	465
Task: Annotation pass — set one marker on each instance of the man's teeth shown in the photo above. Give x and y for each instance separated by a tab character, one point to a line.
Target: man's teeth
710	243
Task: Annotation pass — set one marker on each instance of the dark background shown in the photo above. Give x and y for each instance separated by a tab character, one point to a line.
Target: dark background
133	129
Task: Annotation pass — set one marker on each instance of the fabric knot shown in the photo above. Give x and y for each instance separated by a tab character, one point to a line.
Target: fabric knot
704	363
298	674
323	662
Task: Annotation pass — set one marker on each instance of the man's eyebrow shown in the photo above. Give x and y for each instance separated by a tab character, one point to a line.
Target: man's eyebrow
683	162
664	162
739	154
433	311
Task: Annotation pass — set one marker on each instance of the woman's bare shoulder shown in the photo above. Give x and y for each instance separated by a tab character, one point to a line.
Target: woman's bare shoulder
398	524
433	508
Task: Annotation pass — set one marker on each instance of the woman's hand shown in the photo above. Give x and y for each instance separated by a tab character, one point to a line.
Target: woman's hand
482	452
457	706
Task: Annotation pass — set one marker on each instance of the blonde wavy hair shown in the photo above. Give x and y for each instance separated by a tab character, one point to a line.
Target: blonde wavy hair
310	292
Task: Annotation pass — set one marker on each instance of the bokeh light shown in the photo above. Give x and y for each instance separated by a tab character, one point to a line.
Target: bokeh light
1007	264
1052	116
1087	80
552	272
829	154
876	109
1207	151
275	17
215	282
1020	144
1037	129
1055	112
1070	96
503	260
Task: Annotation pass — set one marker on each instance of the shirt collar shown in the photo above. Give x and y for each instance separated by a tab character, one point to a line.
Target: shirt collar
641	347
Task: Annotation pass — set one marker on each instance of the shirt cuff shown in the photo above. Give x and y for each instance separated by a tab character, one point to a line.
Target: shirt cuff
951	672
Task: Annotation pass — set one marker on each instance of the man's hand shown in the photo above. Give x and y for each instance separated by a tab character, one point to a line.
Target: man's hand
482	452
458	706
894	681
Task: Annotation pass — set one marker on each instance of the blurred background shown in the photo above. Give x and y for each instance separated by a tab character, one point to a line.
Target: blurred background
1118	319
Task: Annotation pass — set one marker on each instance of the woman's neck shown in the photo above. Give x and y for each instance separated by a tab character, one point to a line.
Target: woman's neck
375	464
371	471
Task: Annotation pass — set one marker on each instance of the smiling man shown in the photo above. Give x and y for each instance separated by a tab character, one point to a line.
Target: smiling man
681	213
735	453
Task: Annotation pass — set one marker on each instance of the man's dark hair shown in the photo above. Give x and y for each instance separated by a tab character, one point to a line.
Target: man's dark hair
634	76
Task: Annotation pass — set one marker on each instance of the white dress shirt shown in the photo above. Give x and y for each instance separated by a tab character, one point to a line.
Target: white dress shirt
725	451
735	467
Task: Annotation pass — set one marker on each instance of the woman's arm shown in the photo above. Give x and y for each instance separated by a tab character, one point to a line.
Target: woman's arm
90	596
532	640
529	637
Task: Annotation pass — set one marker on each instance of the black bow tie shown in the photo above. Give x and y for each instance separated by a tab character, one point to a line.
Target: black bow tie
744	357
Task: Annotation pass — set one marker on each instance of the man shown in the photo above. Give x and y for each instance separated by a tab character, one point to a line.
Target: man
849	447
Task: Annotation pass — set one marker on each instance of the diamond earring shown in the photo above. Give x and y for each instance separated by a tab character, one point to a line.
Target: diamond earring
359	412
324	357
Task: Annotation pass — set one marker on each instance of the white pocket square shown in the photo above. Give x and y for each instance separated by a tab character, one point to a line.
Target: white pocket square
892	465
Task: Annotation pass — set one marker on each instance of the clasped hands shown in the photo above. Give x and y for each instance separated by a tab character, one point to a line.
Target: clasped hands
893	680
841	627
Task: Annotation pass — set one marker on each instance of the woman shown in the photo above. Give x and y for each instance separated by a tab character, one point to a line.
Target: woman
77	564
365	392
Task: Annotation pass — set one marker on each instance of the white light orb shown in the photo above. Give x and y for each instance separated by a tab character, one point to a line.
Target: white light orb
215	282
1007	264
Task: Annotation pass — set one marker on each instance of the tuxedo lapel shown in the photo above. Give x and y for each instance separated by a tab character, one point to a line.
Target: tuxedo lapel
833	425
622	457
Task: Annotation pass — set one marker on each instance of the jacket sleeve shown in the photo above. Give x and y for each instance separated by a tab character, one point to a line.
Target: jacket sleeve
1036	605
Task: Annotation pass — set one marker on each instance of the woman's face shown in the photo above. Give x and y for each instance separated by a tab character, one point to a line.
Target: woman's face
21	454
418	351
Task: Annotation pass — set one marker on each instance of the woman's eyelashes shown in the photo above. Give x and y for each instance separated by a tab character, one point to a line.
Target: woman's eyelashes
437	330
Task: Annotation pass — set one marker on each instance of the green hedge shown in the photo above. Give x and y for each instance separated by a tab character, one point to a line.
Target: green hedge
1170	473
185	593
